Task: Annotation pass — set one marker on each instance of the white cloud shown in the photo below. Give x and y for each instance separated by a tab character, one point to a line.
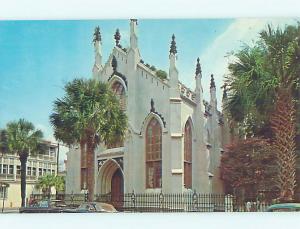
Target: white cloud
241	31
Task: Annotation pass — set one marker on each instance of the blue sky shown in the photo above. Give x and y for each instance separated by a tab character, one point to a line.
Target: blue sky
38	57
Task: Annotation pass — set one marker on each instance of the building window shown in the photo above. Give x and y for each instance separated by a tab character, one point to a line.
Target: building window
153	154
5	169
53	171
3	192
33	171
52	151
28	171
11	169
44	171
18	170
0	168
119	92
40	172
188	155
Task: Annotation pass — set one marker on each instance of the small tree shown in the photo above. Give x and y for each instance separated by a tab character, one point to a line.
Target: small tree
23	139
161	74
45	183
248	167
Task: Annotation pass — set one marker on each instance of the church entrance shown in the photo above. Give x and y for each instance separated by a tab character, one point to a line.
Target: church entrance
110	183
117	189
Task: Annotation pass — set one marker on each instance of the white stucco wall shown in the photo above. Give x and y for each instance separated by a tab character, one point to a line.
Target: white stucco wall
142	85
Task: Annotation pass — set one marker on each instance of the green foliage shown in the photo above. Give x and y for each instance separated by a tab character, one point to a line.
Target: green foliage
161	74
45	183
22	137
256	74
3	141
249	164
89	110
153	68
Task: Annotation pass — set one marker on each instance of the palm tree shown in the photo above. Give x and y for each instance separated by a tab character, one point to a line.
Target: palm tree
263	84
23	139
283	52
45	183
88	114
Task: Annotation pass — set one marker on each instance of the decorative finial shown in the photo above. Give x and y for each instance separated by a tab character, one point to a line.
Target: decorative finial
198	67
97	35
212	81
114	63
133	20
173	48
117	37
224	90
152	106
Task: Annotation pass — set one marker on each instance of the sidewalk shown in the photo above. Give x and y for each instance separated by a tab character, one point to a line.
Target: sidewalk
9	210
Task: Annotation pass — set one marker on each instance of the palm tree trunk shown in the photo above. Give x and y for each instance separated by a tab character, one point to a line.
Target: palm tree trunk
283	123
90	169
23	160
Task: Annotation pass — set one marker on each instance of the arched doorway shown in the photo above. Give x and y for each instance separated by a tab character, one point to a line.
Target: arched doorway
110	182
117	189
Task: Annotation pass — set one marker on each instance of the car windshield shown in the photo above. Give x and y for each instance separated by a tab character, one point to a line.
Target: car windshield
88	207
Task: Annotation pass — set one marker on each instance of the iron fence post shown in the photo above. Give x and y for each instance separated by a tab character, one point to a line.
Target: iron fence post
161	200
133	200
195	201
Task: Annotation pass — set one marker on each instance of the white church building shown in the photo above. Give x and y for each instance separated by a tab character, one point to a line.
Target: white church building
174	139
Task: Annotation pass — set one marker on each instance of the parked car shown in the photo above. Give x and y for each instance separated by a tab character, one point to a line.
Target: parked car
44	206
92	207
284	207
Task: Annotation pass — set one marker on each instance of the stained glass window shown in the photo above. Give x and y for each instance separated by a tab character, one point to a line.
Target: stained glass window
153	154
188	155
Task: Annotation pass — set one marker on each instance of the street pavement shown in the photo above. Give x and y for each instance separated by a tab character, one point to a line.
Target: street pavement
10	210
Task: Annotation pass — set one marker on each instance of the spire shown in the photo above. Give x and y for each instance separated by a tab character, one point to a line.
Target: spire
98	55
173	72
198	67
212	82
173	49
117	37
133	33
198	89
213	98
97	35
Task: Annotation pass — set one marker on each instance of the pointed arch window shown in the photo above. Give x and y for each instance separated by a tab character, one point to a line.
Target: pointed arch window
153	154
188	155
119	91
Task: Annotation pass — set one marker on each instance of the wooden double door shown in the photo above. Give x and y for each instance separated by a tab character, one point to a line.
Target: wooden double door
117	189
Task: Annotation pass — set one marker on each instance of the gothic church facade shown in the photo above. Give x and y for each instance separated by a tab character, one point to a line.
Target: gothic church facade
174	139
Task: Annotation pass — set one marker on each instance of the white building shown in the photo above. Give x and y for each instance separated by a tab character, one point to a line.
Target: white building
174	139
37	165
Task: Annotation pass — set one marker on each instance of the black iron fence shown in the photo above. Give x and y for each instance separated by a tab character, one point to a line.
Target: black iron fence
161	202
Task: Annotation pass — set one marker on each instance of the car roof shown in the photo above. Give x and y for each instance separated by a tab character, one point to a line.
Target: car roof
284	206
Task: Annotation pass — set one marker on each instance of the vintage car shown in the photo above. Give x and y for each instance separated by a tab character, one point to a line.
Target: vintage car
284	207
92	207
44	206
